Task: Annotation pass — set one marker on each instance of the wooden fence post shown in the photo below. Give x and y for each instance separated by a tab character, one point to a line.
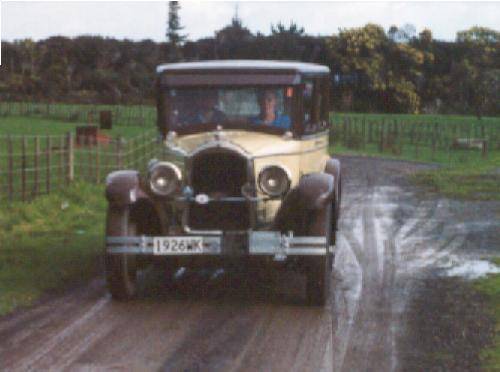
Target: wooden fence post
97	162
433	144
119	155
485	149
417	138
62	168
345	131
146	151
36	167
364	131
381	143
23	168
89	143
10	171
48	161
70	158
116	111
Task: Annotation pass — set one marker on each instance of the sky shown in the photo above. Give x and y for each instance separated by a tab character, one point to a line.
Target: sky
147	20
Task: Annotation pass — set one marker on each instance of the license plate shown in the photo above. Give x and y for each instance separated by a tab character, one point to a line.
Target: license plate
178	245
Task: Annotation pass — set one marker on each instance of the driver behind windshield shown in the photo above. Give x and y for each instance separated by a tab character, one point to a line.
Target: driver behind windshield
205	109
269	114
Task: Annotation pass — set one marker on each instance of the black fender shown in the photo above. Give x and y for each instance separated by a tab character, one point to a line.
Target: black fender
312	195
123	188
333	167
125	195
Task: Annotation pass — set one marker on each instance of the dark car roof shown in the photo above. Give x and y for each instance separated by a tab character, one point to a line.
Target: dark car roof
244	66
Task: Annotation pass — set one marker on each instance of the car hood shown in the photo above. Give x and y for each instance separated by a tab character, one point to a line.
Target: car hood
252	143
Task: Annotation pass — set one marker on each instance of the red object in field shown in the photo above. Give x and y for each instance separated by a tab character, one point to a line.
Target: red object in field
89	135
103	139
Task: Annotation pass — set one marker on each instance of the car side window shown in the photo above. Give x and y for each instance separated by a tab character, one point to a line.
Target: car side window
308	101
325	94
313	103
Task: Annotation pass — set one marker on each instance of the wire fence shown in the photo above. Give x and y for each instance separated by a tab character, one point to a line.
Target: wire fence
131	115
34	165
417	140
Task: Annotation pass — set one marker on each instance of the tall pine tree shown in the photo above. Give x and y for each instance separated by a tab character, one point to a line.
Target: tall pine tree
174	38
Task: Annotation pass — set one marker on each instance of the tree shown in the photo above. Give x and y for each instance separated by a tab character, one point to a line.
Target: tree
287	42
174	38
425	37
234	40
476	75
377	72
292	30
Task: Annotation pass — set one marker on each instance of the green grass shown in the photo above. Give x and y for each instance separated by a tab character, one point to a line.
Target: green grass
465	174
490	287
427	138
472	180
51	243
122	115
30	126
421	118
90	163
408	152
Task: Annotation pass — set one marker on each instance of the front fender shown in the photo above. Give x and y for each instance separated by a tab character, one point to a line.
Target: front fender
333	167
314	192
123	188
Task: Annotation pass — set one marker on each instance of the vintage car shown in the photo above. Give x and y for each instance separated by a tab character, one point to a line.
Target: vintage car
243	177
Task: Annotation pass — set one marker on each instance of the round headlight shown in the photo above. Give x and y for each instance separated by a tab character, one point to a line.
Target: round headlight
274	181
164	178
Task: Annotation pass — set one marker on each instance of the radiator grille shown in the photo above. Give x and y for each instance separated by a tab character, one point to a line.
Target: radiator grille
219	174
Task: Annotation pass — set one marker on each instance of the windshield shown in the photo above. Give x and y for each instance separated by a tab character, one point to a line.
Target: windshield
230	107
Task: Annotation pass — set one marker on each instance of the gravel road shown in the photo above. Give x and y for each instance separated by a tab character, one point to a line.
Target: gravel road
221	321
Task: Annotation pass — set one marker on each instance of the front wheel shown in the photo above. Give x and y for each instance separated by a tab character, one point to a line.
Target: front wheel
319	268
318	280
121	269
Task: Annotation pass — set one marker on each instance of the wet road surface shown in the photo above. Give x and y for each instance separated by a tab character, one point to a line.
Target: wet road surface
220	321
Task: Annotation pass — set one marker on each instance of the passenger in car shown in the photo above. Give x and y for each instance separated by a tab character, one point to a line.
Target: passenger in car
205	110
269	114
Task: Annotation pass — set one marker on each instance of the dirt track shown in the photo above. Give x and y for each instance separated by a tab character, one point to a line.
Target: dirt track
231	321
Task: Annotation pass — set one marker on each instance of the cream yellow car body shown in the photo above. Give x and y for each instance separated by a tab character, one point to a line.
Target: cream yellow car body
297	156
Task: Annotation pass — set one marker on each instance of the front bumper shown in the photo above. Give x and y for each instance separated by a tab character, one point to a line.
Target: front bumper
253	243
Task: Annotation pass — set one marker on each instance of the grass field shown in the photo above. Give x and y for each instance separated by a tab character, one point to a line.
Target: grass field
32	126
421	118
123	115
51	243
32	164
466	173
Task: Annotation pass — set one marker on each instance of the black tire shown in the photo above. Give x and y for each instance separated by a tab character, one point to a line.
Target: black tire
121	269
318	280
334	222
319	268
